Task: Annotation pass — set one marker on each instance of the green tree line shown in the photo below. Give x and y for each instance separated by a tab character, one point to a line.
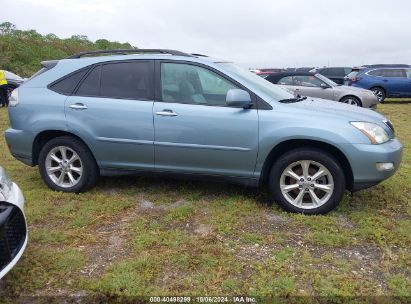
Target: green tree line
22	51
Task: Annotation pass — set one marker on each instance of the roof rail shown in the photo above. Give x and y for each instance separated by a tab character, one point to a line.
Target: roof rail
199	55
387	65
129	51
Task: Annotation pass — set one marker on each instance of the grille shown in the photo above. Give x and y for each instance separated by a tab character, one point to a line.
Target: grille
12	233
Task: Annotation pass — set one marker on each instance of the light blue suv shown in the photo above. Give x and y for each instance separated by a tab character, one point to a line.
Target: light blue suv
166	111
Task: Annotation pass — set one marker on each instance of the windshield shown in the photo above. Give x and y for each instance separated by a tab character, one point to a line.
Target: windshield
326	80
258	82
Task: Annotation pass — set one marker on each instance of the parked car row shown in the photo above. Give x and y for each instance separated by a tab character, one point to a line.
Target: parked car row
316	85
385	80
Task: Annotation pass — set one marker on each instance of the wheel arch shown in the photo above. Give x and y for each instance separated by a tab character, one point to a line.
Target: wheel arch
353	96
43	137
292	144
379	87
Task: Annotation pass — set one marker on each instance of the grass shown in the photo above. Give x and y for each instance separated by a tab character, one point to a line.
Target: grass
397	100
152	236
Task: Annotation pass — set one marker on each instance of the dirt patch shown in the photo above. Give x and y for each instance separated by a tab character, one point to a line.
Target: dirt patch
144	204
344	222
203	230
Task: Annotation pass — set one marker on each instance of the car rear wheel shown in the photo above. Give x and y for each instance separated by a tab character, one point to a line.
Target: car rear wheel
67	165
308	181
379	92
351	100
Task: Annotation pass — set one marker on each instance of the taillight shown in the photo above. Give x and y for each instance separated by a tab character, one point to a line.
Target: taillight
355	79
14	98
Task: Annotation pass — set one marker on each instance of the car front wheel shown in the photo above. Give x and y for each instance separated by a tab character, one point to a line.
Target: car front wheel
307	181
67	165
351	100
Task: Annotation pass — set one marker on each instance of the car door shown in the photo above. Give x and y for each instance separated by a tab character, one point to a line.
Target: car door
310	85
396	81
112	110
194	131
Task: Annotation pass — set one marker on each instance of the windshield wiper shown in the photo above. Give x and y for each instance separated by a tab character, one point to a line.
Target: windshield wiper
292	100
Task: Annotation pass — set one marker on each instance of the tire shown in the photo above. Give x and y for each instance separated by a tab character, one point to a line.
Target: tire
380	93
317	159
83	169
351	100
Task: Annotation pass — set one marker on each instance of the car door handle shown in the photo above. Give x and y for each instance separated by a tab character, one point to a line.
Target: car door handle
78	106
166	112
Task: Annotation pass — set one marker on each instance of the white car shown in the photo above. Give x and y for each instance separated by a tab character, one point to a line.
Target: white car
13	226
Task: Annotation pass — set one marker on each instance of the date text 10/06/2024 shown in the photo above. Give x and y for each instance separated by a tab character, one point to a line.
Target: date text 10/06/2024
182	299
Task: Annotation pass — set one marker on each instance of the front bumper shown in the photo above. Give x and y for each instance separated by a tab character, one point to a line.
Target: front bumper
370	101
13	230
363	159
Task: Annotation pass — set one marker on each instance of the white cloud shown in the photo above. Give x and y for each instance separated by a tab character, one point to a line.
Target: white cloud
253	33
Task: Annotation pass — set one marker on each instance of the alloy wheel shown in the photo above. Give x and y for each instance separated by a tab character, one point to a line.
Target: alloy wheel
379	94
351	101
306	184
64	166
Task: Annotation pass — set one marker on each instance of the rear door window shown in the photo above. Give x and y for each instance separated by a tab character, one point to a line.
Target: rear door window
408	72
376	73
127	80
394	73
388	73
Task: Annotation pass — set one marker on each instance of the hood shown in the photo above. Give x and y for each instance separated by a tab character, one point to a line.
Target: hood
319	107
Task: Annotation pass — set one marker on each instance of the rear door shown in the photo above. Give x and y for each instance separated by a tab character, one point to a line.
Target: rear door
394	81
195	132
112	110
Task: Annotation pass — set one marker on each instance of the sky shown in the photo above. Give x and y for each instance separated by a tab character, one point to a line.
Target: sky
259	33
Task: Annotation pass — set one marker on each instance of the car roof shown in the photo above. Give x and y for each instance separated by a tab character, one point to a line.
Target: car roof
274	77
337	67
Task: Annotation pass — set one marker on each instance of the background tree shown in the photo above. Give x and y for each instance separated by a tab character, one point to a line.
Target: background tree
22	51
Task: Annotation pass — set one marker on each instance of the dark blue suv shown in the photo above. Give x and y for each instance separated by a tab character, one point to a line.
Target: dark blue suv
383	81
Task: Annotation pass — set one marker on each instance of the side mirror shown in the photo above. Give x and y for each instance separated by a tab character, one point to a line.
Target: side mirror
324	86
238	99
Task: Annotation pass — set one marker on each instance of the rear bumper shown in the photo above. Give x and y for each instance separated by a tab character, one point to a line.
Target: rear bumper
20	144
364	158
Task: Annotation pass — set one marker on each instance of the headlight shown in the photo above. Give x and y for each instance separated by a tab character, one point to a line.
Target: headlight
374	132
5	184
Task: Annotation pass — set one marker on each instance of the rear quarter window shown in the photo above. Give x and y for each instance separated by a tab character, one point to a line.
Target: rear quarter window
67	84
91	84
